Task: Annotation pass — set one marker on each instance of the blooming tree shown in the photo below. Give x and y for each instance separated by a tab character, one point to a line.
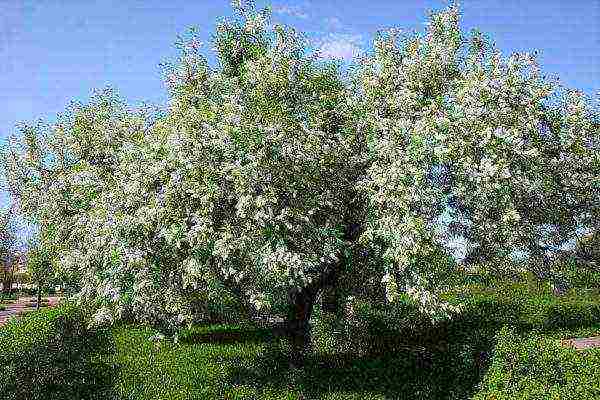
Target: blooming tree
8	240
472	134
272	177
244	184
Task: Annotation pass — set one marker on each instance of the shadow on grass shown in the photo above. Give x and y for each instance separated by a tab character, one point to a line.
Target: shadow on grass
415	361
398	375
227	335
419	362
391	368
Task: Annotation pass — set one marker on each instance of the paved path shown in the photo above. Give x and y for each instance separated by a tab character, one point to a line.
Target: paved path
582	343
21	305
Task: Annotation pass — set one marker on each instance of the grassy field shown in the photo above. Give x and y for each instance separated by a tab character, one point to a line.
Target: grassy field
415	361
252	369
233	362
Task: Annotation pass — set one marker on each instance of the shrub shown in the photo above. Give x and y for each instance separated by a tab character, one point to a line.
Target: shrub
572	314
537	367
46	354
548	313
373	330
8	297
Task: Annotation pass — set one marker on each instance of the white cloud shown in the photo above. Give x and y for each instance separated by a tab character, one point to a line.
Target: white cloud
336	45
293	11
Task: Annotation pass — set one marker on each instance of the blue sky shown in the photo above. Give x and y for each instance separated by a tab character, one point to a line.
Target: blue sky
55	51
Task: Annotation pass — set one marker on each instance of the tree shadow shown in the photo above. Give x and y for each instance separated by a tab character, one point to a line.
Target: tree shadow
416	360
411	373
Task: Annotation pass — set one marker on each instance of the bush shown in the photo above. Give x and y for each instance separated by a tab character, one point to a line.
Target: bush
549	314
373	330
47	354
537	367
573	314
526	306
8	297
28	292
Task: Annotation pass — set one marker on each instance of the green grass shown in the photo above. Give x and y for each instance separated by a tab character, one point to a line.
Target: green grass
414	361
254	368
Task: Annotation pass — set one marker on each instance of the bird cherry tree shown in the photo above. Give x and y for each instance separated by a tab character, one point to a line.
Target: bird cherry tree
273	178
244	184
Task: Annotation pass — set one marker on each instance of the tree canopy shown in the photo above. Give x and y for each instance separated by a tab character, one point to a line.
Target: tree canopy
273	177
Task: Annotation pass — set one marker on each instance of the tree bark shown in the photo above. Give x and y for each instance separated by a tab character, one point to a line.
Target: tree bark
10	284
8	281
298	324
330	301
302	301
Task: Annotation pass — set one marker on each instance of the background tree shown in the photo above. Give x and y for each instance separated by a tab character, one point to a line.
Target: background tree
40	267
8	248
472	135
579	266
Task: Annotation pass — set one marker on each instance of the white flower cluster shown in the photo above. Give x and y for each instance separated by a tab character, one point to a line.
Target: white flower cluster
103	316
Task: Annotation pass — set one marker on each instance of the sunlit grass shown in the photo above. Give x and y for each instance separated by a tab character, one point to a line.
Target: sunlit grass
240	361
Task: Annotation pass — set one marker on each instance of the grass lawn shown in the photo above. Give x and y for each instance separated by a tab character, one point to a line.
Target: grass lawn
251	365
252	368
242	362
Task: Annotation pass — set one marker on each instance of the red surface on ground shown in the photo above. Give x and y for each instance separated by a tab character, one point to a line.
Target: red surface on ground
21	305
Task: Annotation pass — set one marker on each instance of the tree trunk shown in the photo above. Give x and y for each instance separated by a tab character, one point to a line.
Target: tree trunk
301	302
7	283
330	302
298	324
39	295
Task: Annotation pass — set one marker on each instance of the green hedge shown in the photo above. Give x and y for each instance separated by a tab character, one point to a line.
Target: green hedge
462	346
48	354
8	297
538	368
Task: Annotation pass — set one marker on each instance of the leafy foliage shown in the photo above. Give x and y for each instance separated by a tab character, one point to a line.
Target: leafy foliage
535	367
50	354
271	177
